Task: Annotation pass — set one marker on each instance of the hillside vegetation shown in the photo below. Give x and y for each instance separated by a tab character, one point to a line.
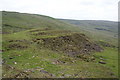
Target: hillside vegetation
37	46
14	22
98	29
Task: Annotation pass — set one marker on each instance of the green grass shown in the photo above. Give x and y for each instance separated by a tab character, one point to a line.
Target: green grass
15	22
30	55
37	56
111	58
108	34
43	58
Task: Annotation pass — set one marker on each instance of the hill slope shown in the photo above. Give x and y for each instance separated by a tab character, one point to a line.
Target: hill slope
41	53
36	46
98	30
14	21
109	26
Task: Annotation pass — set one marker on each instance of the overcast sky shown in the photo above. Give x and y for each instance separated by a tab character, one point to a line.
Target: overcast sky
67	9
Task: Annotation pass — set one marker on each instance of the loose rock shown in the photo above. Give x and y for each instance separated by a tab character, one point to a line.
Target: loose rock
43	71
101	62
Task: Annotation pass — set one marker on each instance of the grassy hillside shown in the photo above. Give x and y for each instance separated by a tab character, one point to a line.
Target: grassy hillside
37	46
49	53
14	21
109	26
98	30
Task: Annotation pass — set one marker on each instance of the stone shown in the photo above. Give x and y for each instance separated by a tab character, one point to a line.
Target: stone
102	62
11	58
15	62
67	75
53	63
43	71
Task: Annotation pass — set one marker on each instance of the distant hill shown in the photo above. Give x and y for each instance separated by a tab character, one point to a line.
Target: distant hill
110	26
97	29
15	21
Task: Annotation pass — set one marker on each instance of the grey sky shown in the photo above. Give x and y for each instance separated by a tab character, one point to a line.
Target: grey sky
67	9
